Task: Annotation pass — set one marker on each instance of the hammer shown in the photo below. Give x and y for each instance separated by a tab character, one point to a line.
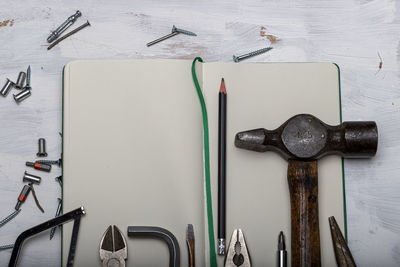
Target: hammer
302	140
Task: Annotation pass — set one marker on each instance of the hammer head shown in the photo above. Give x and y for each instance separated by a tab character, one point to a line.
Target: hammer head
306	137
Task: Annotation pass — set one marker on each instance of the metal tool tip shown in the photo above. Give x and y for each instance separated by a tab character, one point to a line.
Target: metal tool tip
83	210
221	246
189	231
281	241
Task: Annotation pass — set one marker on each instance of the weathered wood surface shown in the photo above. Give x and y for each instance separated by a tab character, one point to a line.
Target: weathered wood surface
350	33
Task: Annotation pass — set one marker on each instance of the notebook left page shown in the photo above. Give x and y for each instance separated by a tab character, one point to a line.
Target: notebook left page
132	155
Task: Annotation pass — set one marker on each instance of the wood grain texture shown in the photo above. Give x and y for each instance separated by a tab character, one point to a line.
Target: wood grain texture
349	33
303	188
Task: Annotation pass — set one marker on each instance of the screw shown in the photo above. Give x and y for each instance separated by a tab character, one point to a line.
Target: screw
58	213
54	35
28	79
65	36
9	217
59	180
251	54
6	247
53	162
174	31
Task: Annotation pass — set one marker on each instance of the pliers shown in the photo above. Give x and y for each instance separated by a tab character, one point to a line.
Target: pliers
113	249
238	254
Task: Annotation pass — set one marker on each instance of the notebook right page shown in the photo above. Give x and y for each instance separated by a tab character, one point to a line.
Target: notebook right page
265	95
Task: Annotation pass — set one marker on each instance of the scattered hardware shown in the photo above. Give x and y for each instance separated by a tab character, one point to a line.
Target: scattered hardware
238	253
26	90
22	96
302	140
65	25
251	54
28	79
164	234
30	178
190	245
68	35
59	180
10	217
222	168
72	215
343	255
21	80
7	87
282	253
58	213
52	162
113	249
39	166
42	148
174	31
22	196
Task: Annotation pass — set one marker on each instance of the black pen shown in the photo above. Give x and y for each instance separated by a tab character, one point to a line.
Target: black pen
221	168
282	253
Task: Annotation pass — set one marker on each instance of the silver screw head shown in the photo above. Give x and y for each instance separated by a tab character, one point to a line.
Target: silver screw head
174	29
235	58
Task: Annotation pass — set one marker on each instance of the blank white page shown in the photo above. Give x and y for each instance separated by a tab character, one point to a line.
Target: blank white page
132	155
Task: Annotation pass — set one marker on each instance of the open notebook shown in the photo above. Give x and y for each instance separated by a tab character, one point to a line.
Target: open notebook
133	153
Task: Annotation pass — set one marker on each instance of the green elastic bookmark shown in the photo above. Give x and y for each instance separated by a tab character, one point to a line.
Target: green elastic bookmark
213	257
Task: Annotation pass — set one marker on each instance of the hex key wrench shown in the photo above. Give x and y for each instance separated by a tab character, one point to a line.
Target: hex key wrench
164	234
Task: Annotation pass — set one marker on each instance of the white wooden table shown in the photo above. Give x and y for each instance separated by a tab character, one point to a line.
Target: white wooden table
349	33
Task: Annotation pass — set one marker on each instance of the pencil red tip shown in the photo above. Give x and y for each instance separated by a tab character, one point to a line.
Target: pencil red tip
222	88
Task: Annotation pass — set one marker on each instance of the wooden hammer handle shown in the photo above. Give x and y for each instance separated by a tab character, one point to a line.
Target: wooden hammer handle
303	187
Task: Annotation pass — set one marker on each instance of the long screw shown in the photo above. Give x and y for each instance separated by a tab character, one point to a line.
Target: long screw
64	26
10	246
65	36
174	31
58	212
251	54
9	217
52	162
28	78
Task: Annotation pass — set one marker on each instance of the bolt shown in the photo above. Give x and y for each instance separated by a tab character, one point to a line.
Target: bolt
54	35
22	95
69	34
251	54
174	31
42	148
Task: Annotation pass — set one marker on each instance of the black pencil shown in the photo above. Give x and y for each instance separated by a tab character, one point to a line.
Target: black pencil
221	168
